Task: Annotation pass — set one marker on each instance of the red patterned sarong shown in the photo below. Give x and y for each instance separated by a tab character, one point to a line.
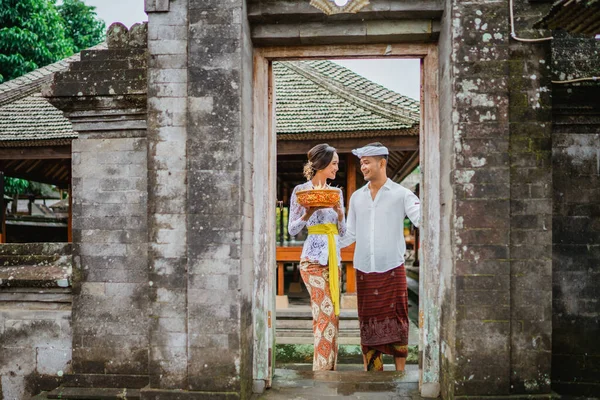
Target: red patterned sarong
383	315
325	322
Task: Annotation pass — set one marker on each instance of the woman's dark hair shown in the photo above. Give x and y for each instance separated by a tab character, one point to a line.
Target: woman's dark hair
319	157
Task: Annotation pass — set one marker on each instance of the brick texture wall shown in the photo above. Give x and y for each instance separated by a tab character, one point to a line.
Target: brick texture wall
104	96
497	338
219	152
167	192
576	216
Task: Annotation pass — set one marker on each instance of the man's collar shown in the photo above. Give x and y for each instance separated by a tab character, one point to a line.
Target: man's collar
388	184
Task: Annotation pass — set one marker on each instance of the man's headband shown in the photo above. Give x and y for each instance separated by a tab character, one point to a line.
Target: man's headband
370	151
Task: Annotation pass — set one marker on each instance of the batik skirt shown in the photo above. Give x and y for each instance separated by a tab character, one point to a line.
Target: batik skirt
325	322
383	315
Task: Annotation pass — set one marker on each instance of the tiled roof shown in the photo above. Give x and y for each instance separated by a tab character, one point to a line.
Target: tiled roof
575	16
33	118
316	97
26	116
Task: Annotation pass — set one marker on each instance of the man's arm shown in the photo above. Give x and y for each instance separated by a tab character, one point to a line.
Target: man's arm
412	207
349	236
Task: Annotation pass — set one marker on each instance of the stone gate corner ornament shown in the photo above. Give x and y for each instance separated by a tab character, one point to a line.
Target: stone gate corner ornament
330	7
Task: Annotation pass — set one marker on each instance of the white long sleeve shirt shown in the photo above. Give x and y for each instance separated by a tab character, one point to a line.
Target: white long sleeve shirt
377	226
316	248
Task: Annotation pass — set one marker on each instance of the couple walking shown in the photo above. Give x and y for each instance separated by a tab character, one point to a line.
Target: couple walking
376	223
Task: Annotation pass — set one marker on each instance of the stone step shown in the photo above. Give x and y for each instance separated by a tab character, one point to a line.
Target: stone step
307	324
76	393
309	333
305	313
106	381
38	249
11	260
349	382
342	340
39	276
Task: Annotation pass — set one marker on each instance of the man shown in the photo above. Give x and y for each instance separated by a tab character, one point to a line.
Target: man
376	223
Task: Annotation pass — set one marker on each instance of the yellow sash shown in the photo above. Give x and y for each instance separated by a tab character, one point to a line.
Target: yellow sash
330	230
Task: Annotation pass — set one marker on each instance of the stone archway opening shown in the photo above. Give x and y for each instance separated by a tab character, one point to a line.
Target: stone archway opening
265	184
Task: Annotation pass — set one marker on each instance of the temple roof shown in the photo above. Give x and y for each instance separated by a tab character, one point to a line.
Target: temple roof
33	118
324	99
27	118
574	16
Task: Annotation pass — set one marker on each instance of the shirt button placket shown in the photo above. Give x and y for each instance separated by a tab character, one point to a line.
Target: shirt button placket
372	239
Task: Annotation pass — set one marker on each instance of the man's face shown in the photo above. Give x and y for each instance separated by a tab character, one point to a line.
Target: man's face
370	167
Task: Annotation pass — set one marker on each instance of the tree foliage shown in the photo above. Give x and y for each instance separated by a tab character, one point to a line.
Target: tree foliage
35	33
82	24
14	186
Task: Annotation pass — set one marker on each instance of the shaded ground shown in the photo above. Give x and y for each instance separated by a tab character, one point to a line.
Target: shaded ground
298	382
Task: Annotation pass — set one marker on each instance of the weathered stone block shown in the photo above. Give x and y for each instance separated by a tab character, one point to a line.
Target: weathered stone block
483	282
213	369
16	360
51	361
13	386
484	191
476	298
484	213
484	236
167	61
167	75
494	267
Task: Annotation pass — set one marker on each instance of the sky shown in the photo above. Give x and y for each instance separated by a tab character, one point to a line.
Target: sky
401	76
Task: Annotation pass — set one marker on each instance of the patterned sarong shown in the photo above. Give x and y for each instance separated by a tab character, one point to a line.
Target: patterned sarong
325	322
383	315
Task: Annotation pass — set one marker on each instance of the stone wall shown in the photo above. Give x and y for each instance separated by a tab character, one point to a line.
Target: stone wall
167	191
104	96
200	198
220	153
576	230
496	340
164	230
35	318
530	243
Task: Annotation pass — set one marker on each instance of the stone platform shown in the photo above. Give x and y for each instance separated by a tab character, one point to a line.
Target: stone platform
349	382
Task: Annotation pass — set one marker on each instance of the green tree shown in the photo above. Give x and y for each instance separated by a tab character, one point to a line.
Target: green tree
14	186
32	34
82	24
35	33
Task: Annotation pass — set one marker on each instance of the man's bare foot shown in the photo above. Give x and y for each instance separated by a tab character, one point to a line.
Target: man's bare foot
400	363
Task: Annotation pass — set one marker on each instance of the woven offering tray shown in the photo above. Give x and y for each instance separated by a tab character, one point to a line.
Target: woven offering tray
318	197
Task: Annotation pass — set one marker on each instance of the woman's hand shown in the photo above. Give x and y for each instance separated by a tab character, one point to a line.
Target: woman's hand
310	211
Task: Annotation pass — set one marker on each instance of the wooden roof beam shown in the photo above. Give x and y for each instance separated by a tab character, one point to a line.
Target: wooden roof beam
406	167
35	153
393	143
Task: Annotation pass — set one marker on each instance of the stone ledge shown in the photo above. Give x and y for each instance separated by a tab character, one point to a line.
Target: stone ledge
39	276
549	396
165	394
29	294
106	381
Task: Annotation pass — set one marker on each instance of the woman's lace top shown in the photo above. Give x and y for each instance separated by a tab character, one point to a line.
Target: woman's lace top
315	247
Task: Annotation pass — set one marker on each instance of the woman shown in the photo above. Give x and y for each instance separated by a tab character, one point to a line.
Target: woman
325	226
